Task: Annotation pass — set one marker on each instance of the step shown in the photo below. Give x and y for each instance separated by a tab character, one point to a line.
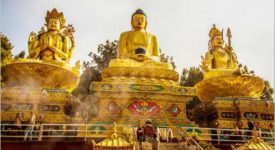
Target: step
164	146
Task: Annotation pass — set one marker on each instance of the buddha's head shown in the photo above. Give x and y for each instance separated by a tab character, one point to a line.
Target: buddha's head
53	24
47	55
54	20
217	42
216	38
139	20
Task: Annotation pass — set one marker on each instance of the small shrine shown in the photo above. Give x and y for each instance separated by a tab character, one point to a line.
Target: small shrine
256	143
113	142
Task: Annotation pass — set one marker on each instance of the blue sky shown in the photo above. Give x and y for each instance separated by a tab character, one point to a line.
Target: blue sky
181	26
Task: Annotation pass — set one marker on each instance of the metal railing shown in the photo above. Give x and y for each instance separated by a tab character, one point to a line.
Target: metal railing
190	139
47	131
86	132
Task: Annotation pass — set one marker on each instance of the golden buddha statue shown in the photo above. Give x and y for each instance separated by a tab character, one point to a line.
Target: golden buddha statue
138	48
57	43
219	56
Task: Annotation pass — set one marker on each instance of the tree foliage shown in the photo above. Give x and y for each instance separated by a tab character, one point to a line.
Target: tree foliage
92	69
20	55
101	59
245	70
191	76
167	59
268	90
5	50
92	72
6	45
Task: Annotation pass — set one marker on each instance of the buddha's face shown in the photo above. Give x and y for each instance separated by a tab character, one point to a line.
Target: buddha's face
54	24
47	55
218	42
139	21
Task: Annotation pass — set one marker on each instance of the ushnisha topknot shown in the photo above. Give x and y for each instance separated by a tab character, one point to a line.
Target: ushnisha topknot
139	11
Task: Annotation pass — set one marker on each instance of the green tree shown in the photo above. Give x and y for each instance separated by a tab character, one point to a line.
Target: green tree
245	70
167	59
92	69
6	47
20	55
191	76
101	59
267	92
92	72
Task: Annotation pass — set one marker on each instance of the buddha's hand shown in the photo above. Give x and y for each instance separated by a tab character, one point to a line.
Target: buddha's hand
155	58
50	42
32	41
203	65
32	37
141	57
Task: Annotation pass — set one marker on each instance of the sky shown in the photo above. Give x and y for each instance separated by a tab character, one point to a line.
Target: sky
181	26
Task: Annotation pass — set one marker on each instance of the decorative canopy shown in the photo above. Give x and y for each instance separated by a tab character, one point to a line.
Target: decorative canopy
255	144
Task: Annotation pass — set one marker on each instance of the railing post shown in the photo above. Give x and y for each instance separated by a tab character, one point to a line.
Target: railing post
218	134
137	140
85	132
41	132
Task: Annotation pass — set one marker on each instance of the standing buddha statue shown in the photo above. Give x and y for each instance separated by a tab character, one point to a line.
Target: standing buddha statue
57	43
138	48
219	56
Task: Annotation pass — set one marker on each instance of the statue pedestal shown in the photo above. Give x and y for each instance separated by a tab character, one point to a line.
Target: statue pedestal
225	112
48	105
220	83
39	86
131	95
149	64
229	99
40	74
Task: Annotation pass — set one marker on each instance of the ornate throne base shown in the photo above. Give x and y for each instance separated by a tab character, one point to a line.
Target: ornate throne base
230	99
227	111
132	95
39	86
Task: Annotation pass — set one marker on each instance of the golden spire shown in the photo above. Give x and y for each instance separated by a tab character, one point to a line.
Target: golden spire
214	32
56	15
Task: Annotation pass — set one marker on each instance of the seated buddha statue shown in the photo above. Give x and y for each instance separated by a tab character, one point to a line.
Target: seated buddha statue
57	43
138	48
219	57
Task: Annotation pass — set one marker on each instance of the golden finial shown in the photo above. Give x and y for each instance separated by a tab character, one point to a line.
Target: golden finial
214	32
56	15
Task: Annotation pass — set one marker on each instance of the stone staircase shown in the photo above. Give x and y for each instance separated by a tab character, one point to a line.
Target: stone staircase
164	146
